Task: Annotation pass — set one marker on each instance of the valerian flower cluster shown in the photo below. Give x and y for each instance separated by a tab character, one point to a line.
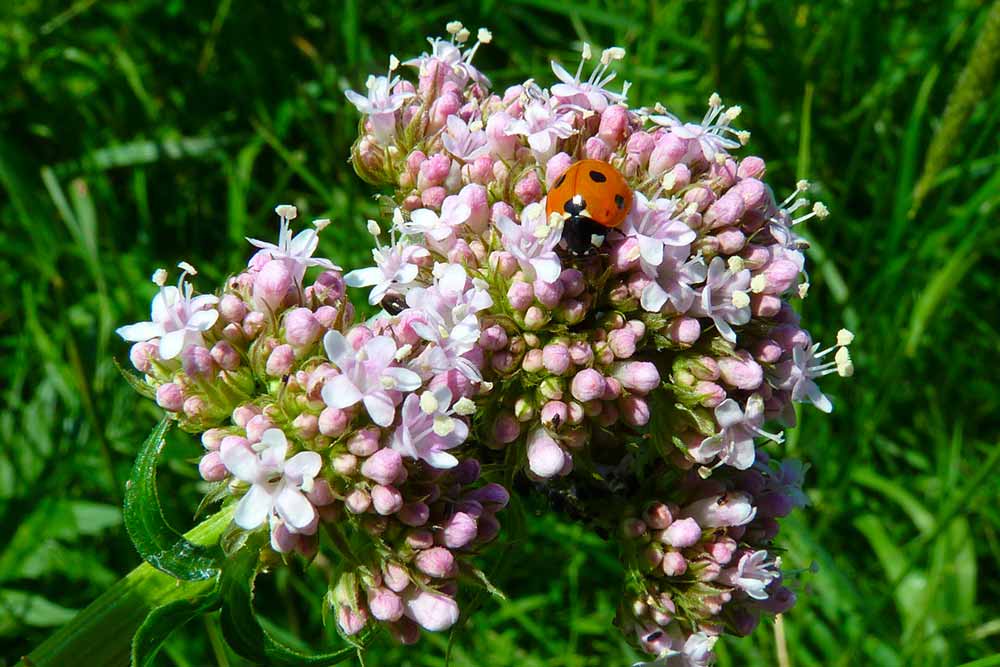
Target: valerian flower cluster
634	385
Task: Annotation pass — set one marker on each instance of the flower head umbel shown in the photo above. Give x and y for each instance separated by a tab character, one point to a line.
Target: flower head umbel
295	252
177	318
277	486
533	242
367	375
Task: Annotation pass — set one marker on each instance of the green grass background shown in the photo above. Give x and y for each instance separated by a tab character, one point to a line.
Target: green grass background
135	133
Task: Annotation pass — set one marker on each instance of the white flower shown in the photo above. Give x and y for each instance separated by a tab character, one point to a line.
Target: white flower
592	93
448	61
675	275
366	376
395	268
723	298
381	104
277	486
734	443
711	132
653	224
177	317
753	574
462	141
296	252
440	229
533	242
543	126
427	428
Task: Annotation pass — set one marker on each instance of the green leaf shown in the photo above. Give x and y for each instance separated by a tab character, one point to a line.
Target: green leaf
244	633
18	609
163	620
159	544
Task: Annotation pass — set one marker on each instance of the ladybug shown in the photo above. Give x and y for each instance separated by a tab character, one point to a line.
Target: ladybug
595	197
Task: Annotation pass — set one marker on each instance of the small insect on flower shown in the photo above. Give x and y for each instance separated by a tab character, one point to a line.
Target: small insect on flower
596	198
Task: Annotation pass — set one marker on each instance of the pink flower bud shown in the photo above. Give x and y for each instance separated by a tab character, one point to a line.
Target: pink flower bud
682	177
395	577
301	327
551	388
684	331
345	464
731	240
433	197
726	211
414	514
624	256
722	550
445	105
232	308
506	428
225	355
554	414
280	361
580	353
493	338
358	501
306	426
682	533
640	146
673	564
384	466
555	358
741	371
614	125
385	499
669	151
520	295
535	318
597	149
635	411
502	209
384	604
701	197
211	467
358	335
352	621
571	311
780	275
573	282
548	294
436	562
170	397
244	413
529	188
545	457
556	167
751	167
622	342
332	422
709	394
432	611
142	356
329	287
731	509
458	531
587	385
270	286
638	376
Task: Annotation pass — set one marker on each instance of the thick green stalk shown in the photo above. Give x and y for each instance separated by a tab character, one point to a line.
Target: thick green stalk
101	634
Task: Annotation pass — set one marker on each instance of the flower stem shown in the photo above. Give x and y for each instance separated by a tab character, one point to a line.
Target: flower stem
101	634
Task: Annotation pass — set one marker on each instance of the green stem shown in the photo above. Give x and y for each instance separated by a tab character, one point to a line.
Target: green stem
101	634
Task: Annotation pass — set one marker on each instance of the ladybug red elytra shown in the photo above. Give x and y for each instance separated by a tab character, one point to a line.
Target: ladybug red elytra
596	198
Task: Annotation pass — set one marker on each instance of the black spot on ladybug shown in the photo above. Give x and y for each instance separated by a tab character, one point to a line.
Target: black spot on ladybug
597	177
619	202
559	181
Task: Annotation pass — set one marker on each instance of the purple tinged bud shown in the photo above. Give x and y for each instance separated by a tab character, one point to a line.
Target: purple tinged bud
548	294
731	240
502	209
669	151
489	528
588	385
384	604
575	416
658	515
520	295
358	501
682	533
364	442
633	528
352	621
674	564
780	274
345	464
385	499
493	338
281	360
722	550
638	376
211	467
395	577
545	457
726	211
306	426
597	149
635	411
432	611
232	308
500	143
506	428
271	285
639	146
195	407
504	263
414	514
572	311
329	286
580	353
253	323
384	466
622	343
652	556
458	531
212	439
244	413
198	363
573	282
710	394
170	397
419	539
494	496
